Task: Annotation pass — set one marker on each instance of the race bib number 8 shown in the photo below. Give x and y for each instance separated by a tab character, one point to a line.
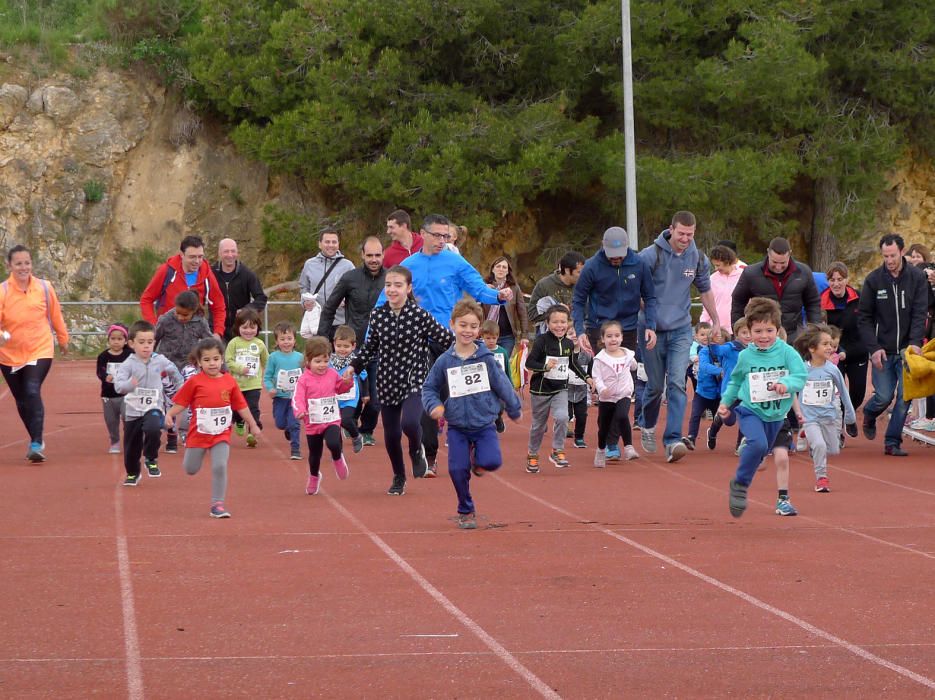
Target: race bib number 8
213	421
249	362
818	392
143	399
323	410
468	379
560	371
762	385
286	379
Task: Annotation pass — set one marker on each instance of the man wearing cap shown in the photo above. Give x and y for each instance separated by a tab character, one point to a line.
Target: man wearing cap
613	285
676	265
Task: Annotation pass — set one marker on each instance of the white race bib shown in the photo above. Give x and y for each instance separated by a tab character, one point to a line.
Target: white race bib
144	400
500	361
350	394
286	379
641	372
213	421
574	379
761	385
111	370
249	362
323	410
818	392
468	379
560	370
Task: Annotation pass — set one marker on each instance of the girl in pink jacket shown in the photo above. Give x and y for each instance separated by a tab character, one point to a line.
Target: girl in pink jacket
315	402
612	371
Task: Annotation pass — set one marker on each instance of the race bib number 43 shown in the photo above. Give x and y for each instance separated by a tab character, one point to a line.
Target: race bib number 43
323	410
762	385
560	370
213	421
468	379
818	392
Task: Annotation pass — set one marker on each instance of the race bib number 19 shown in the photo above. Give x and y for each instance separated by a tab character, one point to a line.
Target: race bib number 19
468	379
762	385
213	421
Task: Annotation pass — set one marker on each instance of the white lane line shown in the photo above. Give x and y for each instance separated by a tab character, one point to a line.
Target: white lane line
762	605
498	649
25	441
131	640
894	484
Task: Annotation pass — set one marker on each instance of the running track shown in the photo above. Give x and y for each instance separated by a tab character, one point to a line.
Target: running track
629	582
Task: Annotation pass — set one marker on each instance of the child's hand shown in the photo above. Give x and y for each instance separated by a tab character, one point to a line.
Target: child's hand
851	429
723	411
254	428
301	416
109	378
590	382
437	412
550	364
348	373
842	356
518	418
365	400
170	422
780	388
272	393
801	418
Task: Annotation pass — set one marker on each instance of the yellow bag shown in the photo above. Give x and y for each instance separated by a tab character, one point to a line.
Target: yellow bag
518	367
919	373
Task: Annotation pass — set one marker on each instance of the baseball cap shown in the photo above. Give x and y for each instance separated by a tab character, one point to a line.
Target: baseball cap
616	242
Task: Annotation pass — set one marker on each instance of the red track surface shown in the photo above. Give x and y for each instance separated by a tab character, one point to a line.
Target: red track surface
632	581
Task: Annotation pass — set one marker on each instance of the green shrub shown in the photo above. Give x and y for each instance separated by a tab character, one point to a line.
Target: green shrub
93	191
141	268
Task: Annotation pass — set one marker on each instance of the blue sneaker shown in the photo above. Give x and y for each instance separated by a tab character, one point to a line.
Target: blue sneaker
35	453
613	453
784	507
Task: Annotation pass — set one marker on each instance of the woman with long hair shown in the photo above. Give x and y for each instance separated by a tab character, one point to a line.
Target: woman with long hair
511	316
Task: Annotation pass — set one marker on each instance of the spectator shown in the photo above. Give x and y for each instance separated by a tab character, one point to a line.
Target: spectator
239	284
510	317
840	304
321	274
404	241
724	278
555	288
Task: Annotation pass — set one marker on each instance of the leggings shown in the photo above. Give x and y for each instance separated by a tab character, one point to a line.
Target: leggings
398	419
579	409
613	421
252	397
349	420
316	443
25	385
220	453
113	416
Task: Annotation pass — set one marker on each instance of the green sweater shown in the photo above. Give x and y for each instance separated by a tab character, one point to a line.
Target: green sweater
242	352
747	378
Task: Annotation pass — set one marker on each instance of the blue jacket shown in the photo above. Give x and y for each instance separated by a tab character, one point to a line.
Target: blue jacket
475	411
673	276
709	372
607	293
439	281
726	355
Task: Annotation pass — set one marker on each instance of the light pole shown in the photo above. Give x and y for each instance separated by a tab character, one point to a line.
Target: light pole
629	136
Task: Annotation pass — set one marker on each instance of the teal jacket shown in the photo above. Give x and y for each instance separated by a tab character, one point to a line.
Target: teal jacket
779	356
279	360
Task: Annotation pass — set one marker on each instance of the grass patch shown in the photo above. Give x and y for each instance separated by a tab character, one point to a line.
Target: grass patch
93	191
140	270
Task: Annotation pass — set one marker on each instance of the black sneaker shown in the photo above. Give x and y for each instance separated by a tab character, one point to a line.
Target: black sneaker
152	468
131	480
689	442
499	424
870	427
738	498
712	439
894	451
172	444
419	464
399	486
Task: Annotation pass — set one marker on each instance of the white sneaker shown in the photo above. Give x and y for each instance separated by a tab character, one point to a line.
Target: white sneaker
629	452
922	424
600	461
648	440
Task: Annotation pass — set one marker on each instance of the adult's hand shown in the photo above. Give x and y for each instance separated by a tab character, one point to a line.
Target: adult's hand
64	349
878	358
914	349
585	343
506	294
650	338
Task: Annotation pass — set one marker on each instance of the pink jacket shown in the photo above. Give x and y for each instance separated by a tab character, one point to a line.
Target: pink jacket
613	378
723	287
319	386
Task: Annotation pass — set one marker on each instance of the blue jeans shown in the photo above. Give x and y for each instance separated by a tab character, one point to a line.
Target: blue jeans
760	437
285	420
669	359
487	455
888	382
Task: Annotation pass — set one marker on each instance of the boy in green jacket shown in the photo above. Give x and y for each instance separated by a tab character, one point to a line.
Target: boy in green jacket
768	374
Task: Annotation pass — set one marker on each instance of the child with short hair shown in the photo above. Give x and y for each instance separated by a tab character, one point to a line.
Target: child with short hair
345	342
490	333
708	388
282	372
767	376
700	339
579	395
310	317
246	358
140	379
726	354
818	401
211	395
613	370
107	363
466	386
315	402
549	362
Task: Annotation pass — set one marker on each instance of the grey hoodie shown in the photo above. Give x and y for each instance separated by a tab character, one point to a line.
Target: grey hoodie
673	276
159	374
314	270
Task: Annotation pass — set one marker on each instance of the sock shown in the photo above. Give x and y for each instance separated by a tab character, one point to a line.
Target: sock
783	494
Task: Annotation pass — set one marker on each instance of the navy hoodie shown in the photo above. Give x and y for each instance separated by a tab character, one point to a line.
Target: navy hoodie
614	293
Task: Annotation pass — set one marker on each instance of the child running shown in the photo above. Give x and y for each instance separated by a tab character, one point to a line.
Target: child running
767	375
726	355
316	402
549	361
490	334
399	333
467	387
819	402
708	388
107	362
140	379
578	395
246	358
612	371
211	395
282	373
345	342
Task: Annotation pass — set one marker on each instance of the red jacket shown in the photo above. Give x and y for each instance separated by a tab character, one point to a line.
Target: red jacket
396	253
154	303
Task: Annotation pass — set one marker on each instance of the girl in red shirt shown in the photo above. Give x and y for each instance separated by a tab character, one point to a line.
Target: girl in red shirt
211	395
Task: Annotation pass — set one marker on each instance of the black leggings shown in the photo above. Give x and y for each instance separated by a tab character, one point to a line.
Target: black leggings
25	385
349	420
316	443
579	410
856	375
613	421
398	419
252	397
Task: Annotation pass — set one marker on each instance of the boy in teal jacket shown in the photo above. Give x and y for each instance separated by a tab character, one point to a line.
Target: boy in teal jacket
767	376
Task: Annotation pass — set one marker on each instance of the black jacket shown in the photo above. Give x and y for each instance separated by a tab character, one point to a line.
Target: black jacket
242	289
798	292
892	310
847	320
359	290
548	345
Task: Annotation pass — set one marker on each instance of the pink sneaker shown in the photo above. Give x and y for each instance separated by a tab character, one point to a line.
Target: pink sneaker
314	483
341	468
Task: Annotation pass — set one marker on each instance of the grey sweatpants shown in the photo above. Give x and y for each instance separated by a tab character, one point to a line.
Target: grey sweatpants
220	453
824	439
542	406
113	417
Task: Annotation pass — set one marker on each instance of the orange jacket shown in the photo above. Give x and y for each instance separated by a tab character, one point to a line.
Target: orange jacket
26	317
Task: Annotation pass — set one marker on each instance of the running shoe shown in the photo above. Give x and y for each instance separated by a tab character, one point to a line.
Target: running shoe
36	452
822	485
114	449
358	443
676	451
432	470
499	424
557	457
467	521
629	452
218	511
600	459
784	507
532	464
240	429
399	486
131	480
613	453
801	444
251	440
689	442
368	439
738	498
296	455
313	484
712	439
419	464
580	444
152	468
341	468
648	440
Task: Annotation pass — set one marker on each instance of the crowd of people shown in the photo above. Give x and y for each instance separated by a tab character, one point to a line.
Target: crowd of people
418	339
